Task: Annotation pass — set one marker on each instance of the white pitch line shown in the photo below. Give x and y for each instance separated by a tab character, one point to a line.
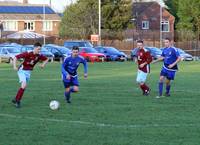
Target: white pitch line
102	124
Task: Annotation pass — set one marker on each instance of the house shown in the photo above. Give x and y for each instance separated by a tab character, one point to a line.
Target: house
40	19
147	19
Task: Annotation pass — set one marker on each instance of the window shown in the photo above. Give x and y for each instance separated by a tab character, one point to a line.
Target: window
47	26
165	26
29	25
145	24
10	26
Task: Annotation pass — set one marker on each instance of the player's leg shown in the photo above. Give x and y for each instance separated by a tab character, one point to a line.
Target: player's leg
67	94
67	82
161	81
168	86
24	77
160	85
141	79
170	76
74	89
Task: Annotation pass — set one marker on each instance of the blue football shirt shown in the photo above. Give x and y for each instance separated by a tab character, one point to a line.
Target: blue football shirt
170	55
71	64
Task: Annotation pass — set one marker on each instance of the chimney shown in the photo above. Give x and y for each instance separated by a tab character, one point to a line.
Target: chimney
25	2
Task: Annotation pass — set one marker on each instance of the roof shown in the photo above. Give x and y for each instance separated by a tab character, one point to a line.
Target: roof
25	34
140	7
23	17
26	10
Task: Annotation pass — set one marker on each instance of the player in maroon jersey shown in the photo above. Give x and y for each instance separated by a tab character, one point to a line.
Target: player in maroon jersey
144	58
24	70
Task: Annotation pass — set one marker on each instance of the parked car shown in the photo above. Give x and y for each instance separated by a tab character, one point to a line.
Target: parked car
43	51
185	56
70	44
90	54
7	53
60	52
111	53
155	52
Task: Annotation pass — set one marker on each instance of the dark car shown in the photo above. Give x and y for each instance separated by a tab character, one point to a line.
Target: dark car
70	44
111	53
155	52
60	52
43	51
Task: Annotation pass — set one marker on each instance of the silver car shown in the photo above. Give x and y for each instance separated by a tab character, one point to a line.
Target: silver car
7	53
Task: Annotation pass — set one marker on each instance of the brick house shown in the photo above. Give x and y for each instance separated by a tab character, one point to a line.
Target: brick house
28	17
146	16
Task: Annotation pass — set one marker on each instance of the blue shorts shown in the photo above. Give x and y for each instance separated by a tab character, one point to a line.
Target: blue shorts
24	75
73	81
170	75
141	77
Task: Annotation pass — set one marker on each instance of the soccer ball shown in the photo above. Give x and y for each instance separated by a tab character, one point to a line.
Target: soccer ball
54	105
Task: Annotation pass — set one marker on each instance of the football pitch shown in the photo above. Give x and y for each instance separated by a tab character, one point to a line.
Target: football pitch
108	110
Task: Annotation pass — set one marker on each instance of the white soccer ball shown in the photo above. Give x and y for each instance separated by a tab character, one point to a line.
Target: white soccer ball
54	105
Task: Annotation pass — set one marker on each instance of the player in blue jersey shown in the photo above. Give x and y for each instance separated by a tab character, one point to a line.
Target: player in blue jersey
69	72
170	57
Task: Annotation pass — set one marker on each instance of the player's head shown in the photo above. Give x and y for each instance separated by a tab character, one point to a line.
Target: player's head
75	51
167	42
37	47
140	44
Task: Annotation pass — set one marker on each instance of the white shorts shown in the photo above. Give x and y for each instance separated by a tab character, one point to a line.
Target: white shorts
141	76
24	75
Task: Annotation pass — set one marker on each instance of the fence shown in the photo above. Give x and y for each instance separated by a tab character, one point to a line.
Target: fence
185	40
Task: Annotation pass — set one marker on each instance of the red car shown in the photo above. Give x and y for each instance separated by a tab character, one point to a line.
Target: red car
90	54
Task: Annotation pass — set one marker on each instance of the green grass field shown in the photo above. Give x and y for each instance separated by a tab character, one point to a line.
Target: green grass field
108	110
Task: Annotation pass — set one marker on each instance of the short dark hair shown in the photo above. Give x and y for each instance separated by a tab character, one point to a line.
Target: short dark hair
140	41
167	38
37	44
75	48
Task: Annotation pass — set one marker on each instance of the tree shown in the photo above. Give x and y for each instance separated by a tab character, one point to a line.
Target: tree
80	20
116	16
173	8
189	15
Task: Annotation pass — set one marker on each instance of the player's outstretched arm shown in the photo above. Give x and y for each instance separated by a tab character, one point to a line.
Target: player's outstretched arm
159	59
15	63
85	68
44	63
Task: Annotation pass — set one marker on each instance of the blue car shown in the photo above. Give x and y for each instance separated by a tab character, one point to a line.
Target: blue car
185	56
60	52
155	52
111	53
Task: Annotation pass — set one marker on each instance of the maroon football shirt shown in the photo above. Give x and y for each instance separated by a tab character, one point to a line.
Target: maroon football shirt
142	57
30	59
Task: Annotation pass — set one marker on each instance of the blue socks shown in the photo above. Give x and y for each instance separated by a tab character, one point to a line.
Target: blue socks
72	90
167	89
67	95
160	87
